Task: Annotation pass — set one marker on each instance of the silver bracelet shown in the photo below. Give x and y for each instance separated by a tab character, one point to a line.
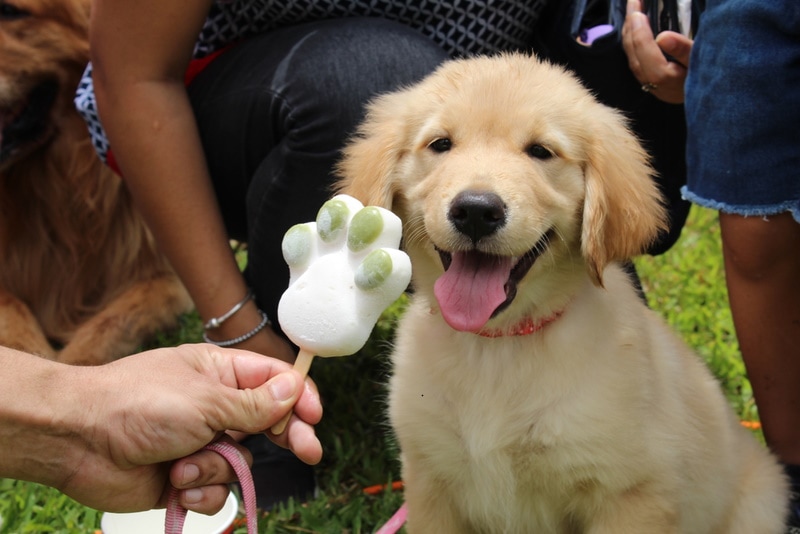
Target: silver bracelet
244	337
215	322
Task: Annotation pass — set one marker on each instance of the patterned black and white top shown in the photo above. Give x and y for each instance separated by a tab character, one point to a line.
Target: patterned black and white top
461	27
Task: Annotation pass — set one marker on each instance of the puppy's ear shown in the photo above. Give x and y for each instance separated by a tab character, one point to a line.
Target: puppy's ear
371	158
623	211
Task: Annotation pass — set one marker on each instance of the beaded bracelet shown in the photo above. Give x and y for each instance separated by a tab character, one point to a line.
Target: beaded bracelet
215	322
244	337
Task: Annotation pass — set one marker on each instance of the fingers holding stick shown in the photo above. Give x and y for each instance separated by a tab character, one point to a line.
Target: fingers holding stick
302	365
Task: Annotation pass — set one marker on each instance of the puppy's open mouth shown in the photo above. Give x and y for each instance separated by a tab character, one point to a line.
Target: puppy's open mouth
27	122
477	286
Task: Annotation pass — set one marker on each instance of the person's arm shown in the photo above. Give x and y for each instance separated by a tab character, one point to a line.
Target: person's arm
140	51
646	58
105	435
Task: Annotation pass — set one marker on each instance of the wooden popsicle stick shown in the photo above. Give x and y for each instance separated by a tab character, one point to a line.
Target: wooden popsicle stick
302	364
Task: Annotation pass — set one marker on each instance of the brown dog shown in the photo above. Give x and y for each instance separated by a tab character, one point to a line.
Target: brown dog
81	279
532	389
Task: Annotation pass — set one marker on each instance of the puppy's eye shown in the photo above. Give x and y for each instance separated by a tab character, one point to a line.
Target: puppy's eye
10	12
538	152
443	144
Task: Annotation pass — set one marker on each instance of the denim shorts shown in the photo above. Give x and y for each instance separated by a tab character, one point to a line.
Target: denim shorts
743	108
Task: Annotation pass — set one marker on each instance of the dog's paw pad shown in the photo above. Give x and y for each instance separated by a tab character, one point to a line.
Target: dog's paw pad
345	270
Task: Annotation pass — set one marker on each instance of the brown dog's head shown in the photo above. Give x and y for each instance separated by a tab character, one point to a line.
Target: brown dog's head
508	176
43	51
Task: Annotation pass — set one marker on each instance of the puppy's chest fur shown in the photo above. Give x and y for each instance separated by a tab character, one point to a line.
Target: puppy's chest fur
509	426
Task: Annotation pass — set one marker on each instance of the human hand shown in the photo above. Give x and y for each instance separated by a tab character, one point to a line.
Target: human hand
662	77
140	413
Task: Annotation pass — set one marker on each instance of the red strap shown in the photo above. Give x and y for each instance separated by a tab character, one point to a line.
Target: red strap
111	161
196	66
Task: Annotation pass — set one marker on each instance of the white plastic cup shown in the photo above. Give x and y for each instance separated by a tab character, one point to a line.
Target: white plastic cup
152	521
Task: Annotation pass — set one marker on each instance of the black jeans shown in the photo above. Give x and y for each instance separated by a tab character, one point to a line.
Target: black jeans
274	112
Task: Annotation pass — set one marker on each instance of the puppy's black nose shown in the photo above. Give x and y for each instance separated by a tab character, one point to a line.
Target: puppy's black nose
477	214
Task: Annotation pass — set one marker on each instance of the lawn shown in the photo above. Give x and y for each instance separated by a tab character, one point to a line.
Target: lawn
686	285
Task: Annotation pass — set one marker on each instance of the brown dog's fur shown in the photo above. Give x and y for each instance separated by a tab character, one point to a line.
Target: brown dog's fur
601	421
81	279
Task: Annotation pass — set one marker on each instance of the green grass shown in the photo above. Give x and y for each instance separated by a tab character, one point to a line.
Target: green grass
686	285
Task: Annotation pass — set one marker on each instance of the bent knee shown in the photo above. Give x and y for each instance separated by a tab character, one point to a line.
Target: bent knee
757	247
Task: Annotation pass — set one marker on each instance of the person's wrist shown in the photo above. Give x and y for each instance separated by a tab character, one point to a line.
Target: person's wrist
247	319
54	441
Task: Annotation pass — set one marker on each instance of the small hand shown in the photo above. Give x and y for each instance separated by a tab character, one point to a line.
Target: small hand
646	56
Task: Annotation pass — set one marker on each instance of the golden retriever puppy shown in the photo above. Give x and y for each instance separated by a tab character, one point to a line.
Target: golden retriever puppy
81	279
532	389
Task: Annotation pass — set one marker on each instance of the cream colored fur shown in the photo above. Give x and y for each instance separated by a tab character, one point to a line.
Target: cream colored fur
603	421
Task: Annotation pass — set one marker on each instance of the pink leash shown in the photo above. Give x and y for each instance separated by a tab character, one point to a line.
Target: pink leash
176	514
395	522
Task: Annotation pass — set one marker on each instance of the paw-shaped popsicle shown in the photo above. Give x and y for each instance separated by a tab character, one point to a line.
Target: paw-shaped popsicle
345	270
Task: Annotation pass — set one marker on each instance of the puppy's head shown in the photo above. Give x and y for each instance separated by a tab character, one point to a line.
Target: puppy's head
508	176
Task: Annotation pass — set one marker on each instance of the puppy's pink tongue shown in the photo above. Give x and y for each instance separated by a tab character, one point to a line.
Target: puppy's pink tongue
471	289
